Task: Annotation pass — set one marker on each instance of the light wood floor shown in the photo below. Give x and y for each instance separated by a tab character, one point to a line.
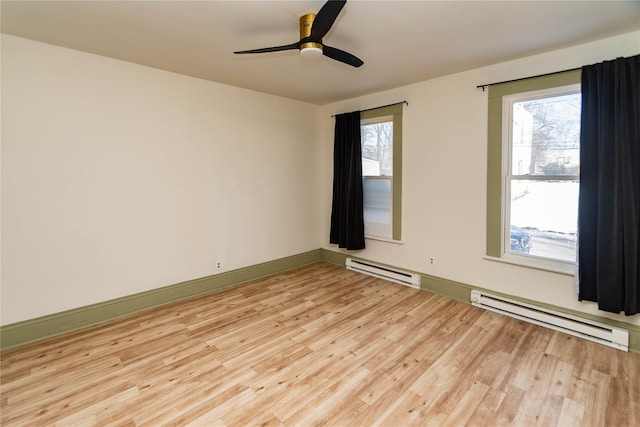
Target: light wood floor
319	346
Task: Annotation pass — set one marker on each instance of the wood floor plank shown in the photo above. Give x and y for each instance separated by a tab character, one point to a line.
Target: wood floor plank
571	413
485	412
319	345
507	412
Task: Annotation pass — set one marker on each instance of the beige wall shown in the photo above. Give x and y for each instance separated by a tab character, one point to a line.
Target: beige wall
444	176
118	178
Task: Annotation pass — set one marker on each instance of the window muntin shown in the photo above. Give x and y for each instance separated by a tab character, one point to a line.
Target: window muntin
541	163
381	138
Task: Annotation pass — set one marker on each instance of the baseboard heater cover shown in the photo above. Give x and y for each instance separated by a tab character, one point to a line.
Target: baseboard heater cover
573	325
392	274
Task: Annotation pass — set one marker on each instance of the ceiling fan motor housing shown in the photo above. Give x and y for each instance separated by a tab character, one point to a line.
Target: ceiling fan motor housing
309	48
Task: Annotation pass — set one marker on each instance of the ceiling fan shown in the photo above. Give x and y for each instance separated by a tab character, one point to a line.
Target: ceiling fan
312	29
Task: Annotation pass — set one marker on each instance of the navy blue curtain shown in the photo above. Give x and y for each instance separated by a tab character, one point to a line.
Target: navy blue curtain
347	217
609	206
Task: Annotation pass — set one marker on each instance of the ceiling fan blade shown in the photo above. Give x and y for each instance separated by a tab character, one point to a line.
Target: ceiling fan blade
325	18
271	49
342	56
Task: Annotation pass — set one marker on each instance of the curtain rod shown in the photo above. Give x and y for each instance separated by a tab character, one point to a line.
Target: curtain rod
483	86
382	106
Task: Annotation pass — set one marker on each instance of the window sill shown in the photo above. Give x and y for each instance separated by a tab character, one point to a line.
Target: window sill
383	239
568	270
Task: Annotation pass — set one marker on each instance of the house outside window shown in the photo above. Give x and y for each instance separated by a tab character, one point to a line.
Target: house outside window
381	131
533	172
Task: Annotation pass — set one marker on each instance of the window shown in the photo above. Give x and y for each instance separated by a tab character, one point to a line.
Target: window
381	131
533	171
542	150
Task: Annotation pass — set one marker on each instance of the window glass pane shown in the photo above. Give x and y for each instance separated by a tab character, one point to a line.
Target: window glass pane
546	136
377	207
377	149
544	216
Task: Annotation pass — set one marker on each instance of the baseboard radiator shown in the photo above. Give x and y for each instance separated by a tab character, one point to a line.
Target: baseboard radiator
392	274
573	325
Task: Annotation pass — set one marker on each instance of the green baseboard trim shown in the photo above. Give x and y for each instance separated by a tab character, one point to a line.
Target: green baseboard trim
337	258
31	330
462	292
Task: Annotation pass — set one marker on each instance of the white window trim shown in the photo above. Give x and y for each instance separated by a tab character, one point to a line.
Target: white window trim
391	114
382	239
531	261
568	269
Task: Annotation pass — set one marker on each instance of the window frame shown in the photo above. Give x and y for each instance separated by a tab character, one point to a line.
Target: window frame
395	113
497	168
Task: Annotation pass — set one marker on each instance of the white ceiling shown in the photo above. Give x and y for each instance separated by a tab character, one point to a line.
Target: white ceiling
400	42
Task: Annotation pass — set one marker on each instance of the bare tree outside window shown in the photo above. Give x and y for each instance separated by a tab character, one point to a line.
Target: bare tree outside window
543	176
555	135
377	145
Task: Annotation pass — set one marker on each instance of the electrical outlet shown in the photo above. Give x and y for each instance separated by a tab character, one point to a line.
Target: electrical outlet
218	265
432	261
